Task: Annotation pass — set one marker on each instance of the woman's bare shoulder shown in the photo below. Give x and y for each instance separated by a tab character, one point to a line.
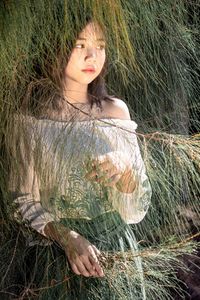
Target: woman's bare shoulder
116	109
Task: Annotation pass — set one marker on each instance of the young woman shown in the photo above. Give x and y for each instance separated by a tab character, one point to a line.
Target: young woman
80	180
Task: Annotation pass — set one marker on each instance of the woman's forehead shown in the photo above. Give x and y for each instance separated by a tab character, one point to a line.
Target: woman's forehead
91	31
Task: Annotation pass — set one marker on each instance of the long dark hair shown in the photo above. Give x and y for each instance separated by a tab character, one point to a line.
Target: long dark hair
44	93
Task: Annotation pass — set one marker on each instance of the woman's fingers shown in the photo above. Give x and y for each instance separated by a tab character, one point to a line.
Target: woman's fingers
81	267
114	179
99	269
97	266
97	252
88	264
100	169
75	269
91	262
102	165
84	260
93	259
107	174
112	175
110	180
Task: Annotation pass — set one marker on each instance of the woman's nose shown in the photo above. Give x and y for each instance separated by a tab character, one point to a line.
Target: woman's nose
91	54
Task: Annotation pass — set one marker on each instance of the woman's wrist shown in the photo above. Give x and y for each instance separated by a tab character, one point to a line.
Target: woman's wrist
59	233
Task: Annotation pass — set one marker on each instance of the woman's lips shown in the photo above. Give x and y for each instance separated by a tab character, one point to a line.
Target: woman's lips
89	70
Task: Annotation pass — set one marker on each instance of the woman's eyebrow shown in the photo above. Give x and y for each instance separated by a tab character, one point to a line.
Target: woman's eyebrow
84	39
101	40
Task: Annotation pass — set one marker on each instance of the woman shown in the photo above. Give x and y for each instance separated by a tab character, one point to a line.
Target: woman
82	180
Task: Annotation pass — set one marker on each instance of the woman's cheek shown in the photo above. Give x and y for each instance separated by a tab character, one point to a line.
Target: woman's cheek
103	60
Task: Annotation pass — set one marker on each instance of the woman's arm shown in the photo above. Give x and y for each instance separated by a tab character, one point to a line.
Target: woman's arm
133	200
124	170
23	181
24	185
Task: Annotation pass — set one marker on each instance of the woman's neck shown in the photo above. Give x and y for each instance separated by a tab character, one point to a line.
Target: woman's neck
75	92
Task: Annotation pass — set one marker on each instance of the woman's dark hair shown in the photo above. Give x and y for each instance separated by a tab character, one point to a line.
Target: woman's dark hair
44	94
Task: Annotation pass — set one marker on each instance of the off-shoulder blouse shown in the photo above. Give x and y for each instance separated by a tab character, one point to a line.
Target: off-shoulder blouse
61	153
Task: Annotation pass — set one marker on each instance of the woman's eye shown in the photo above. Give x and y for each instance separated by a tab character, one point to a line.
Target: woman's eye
101	47
79	46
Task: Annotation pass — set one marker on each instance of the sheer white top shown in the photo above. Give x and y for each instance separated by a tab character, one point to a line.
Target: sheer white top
59	154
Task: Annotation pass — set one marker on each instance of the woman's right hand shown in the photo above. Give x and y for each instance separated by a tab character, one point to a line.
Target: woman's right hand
82	255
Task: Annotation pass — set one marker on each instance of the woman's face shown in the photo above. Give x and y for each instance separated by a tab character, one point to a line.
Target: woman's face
88	55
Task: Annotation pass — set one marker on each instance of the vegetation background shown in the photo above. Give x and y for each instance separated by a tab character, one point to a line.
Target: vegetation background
154	65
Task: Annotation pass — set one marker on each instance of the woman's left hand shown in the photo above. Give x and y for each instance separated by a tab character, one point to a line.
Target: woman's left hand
108	168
